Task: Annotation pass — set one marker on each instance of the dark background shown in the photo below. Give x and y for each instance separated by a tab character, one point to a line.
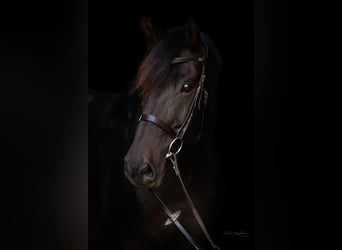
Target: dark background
44	83
116	51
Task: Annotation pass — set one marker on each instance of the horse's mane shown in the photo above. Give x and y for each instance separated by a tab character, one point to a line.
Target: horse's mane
155	66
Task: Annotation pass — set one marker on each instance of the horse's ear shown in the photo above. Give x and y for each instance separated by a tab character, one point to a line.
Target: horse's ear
151	32
192	34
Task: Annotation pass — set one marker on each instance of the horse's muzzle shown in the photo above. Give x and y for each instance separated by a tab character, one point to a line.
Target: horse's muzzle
143	175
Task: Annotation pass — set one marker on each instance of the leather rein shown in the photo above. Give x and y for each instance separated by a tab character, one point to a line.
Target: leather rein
176	144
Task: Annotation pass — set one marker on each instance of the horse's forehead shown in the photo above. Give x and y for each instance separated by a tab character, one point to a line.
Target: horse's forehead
188	69
187	52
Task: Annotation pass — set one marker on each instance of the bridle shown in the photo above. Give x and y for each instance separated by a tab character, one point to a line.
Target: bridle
176	144
199	95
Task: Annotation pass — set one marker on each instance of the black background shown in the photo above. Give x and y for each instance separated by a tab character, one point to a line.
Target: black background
116	51
44	83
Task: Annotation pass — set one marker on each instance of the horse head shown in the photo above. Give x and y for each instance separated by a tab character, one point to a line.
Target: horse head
176	81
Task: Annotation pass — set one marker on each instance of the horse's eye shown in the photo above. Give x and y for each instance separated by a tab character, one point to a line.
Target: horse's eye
187	87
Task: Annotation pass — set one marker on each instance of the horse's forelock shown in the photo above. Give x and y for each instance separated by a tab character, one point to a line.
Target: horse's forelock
155	67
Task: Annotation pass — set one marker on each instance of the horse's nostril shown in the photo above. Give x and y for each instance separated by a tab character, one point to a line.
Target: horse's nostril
146	172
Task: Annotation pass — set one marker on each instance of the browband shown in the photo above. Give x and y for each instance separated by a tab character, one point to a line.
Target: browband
186	59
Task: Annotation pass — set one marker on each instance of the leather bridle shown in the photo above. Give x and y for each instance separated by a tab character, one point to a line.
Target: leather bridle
199	95
176	144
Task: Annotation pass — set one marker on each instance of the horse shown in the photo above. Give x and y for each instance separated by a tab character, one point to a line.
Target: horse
172	163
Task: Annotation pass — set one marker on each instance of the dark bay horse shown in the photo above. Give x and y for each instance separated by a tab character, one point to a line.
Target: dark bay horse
173	102
177	82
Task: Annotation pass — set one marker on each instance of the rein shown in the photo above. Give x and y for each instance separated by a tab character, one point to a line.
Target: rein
175	147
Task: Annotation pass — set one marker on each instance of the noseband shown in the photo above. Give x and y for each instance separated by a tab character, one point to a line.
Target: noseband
176	143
